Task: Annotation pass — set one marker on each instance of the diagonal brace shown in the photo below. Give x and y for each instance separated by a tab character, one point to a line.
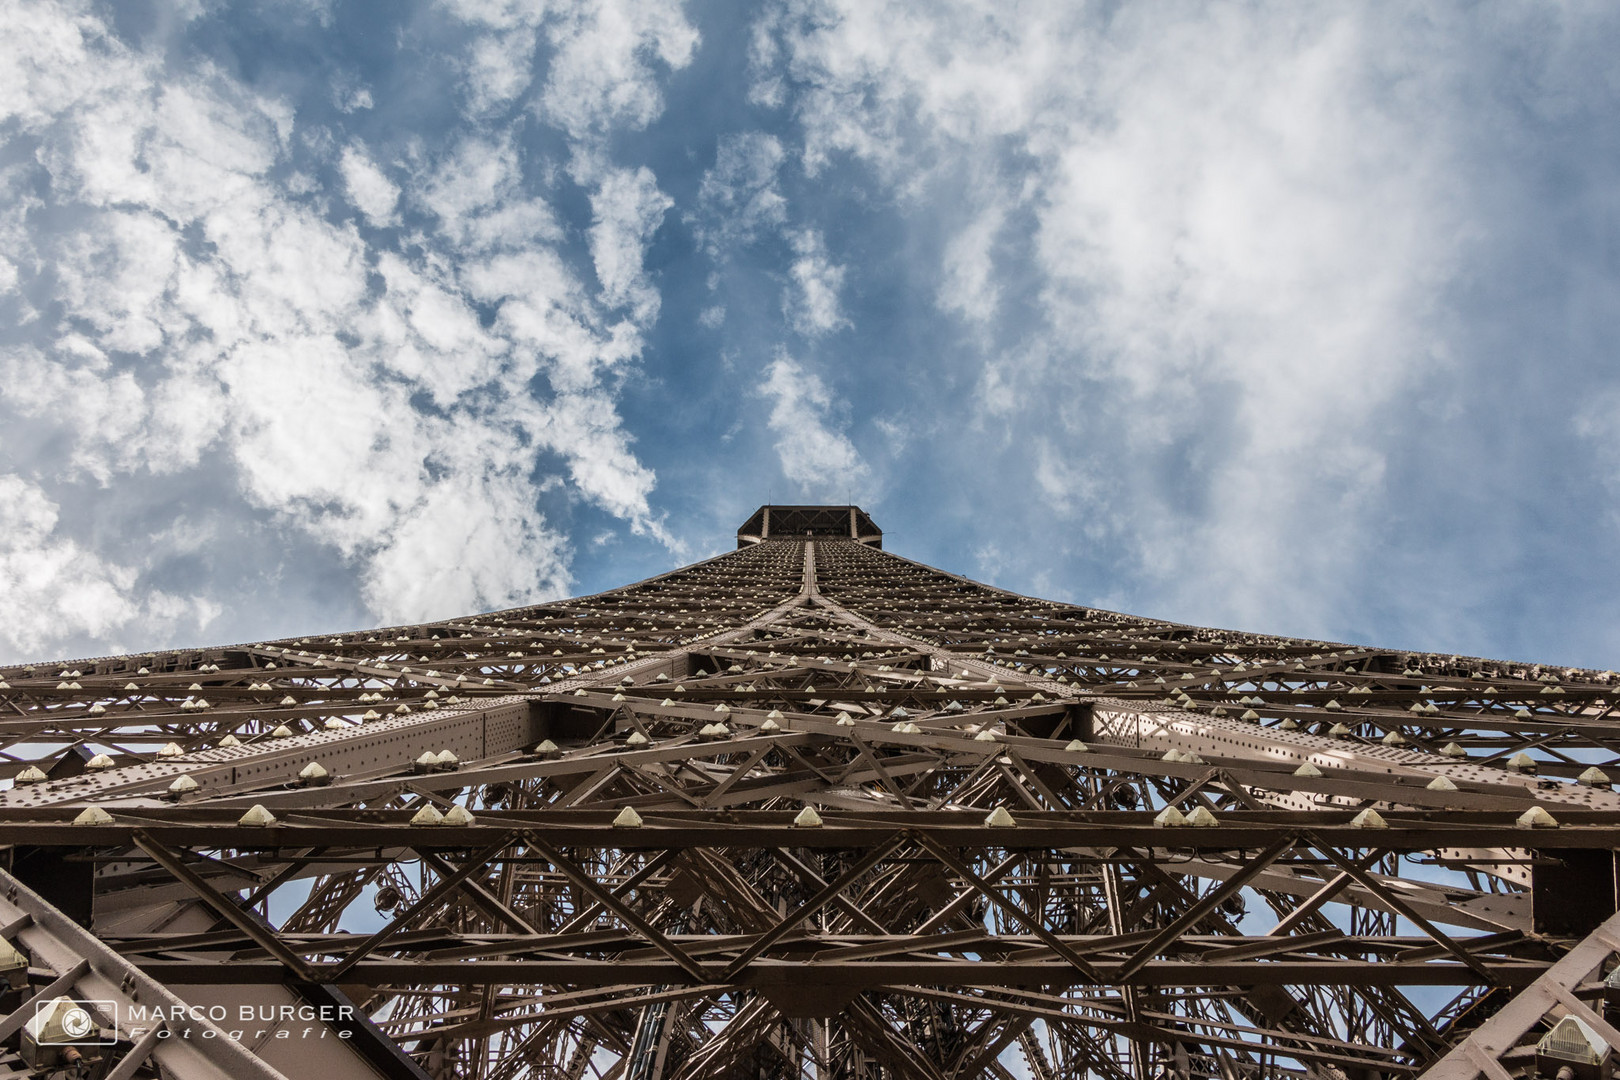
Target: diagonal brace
813	905
1372	884
232	912
1327	892
995	896
1203	907
445	887
619	908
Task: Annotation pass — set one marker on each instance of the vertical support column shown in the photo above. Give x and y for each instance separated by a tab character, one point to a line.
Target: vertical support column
647	1047
765	525
853	533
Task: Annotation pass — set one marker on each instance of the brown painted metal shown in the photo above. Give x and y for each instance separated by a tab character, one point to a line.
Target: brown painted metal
977	895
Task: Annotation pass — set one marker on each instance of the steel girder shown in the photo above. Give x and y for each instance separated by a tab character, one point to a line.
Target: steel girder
811	809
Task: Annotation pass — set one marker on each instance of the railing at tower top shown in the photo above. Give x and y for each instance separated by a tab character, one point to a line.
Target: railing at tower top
809	522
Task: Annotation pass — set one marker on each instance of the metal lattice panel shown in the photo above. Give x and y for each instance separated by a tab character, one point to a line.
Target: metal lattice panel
811	809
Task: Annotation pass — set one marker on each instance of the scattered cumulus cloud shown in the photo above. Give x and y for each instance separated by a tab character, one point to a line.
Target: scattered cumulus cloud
1237	225
369	188
381	400
815	455
349	95
627	208
51	587
811	300
740	195
608	57
499	67
968	287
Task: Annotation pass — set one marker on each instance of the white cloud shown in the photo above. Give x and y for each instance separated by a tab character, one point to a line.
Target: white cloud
1069	484
816	456
341	454
969	285
350	95
740	195
43	577
55	60
500	69
212	322
767	87
585	429
120	425
603	73
423	329
628	208
811	300
463	546
53	589
477	192
740	199
118	274
604	68
357	100
370	190
1241	222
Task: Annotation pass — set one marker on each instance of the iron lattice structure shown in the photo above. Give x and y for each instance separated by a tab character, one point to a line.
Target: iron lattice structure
810	809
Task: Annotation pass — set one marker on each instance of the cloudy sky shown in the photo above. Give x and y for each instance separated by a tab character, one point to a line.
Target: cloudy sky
1296	318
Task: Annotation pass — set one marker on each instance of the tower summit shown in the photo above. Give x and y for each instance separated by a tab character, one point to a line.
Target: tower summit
811	809
799	522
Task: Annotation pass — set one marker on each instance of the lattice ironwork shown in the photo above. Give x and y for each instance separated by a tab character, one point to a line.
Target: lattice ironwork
810	809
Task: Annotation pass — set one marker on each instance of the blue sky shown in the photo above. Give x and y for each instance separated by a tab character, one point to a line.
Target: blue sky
1280	317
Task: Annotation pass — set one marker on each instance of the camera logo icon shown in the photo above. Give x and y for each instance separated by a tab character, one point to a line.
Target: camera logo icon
66	1021
76	1023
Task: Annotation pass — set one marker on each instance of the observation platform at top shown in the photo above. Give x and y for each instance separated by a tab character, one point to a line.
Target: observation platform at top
815	522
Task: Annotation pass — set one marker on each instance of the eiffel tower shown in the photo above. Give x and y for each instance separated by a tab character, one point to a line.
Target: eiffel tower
808	809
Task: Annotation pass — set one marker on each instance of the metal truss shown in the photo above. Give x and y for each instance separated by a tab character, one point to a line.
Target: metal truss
810	809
